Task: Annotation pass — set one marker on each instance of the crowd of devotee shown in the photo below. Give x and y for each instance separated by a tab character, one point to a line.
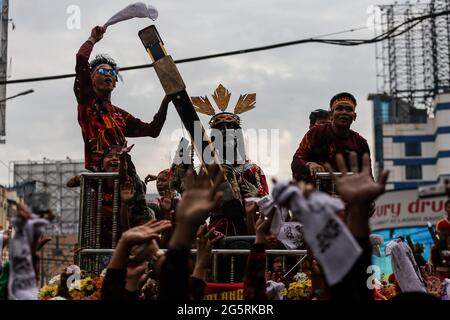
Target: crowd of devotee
165	248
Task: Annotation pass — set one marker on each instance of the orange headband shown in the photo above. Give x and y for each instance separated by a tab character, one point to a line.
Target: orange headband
345	100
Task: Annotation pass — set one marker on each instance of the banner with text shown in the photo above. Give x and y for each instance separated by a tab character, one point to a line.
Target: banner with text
397	209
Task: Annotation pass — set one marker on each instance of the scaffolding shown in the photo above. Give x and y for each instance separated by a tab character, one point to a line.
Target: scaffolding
414	66
45	182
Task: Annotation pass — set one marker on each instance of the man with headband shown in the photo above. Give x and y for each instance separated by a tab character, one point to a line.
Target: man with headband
103	124
322	142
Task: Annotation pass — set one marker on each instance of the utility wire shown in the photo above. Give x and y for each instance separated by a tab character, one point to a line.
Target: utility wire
392	33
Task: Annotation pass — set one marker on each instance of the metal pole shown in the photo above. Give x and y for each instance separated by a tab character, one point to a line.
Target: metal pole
3	66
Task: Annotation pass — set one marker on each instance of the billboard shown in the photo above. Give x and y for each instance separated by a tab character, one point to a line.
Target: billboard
403	208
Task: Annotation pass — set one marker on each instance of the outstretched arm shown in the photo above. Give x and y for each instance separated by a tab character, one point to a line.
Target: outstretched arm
301	167
358	191
83	83
197	201
137	128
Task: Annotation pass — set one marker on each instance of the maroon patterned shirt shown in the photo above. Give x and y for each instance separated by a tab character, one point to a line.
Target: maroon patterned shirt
321	145
103	124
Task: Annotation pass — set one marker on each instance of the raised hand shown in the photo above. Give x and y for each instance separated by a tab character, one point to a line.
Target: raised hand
127	192
97	34
166	203
248	190
205	242
358	188
135	270
150	178
314	168
358	191
145	232
262	227
199	197
23	211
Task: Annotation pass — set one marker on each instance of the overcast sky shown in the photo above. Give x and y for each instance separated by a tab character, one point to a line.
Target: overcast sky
289	82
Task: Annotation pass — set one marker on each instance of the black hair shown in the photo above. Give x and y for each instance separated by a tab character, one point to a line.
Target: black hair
447	203
318	114
106	152
342	95
102	59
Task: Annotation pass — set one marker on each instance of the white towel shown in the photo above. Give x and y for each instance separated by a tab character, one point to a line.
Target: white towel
405	267
274	290
291	235
329	239
266	205
135	10
447	287
22	278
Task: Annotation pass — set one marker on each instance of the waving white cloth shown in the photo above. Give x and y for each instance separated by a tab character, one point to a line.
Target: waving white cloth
291	235
405	267
135	10
22	278
274	290
266	205
329	239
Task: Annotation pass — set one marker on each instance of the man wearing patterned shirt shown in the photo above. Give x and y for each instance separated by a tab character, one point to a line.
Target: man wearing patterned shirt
103	124
322	142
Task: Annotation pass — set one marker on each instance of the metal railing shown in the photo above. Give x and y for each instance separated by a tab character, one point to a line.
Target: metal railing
91	213
215	254
90	229
326	176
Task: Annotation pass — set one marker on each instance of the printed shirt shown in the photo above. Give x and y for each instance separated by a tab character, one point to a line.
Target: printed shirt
103	124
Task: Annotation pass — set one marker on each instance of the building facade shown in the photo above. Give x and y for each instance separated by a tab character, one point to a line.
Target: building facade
416	153
415	148
43	186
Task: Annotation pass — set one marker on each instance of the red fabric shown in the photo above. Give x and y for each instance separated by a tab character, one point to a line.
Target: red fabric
224	291
443	224
103	124
321	145
255	274
255	174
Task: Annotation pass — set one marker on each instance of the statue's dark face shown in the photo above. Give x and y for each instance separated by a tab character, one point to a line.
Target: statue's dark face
231	148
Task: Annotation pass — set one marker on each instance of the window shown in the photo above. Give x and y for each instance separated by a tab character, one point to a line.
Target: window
413	172
413	149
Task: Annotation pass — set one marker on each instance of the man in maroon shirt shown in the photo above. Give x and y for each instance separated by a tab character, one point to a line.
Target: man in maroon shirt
103	124
322	142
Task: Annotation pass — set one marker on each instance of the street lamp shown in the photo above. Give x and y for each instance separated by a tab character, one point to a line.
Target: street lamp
19	94
2	139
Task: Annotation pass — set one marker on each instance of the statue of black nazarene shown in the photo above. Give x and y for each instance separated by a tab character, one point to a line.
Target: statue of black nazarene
244	178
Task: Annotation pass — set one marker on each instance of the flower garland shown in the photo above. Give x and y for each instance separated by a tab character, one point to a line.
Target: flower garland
300	289
87	288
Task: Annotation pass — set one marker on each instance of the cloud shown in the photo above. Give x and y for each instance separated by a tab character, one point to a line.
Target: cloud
290	82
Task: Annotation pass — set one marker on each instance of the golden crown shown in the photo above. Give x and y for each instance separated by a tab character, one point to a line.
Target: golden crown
222	96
